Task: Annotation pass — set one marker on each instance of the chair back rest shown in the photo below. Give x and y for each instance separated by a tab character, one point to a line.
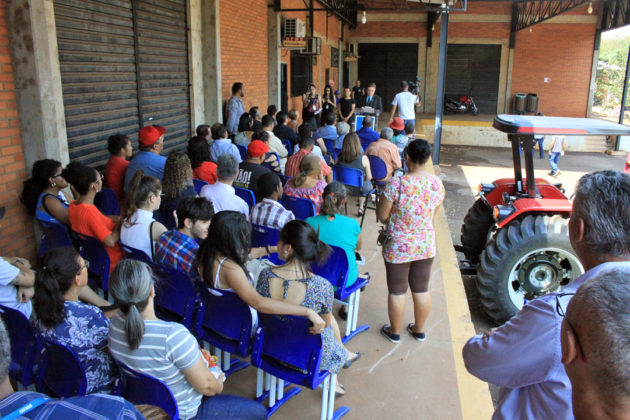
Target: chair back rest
61	374
263	235
139	388
94	251
199	184
348	176
166	215
25	345
334	269
135	254
287	145
227	321
107	202
175	295
377	167
242	150
302	208
247	195
55	235
365	144
330	144
283	340
269	165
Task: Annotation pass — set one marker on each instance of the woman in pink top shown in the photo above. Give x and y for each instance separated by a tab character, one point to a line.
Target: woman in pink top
407	206
309	183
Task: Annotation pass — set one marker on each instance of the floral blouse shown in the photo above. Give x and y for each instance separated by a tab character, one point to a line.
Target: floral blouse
85	331
314	193
411	219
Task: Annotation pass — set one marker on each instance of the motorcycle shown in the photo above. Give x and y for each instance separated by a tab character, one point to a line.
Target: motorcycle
460	105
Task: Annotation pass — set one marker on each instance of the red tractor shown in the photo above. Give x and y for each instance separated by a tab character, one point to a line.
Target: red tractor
515	236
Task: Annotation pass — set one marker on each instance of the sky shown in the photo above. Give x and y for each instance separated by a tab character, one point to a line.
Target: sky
622	32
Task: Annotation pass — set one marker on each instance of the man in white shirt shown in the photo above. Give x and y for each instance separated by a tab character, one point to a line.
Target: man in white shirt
16	284
222	194
405	103
275	144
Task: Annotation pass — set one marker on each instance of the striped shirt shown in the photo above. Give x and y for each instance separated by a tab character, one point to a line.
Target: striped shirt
271	214
166	349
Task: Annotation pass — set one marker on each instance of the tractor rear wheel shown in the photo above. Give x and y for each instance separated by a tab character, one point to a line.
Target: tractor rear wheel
526	259
475	229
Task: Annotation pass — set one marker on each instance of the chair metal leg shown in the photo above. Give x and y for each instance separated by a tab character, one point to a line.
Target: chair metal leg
280	389
260	377
355	311
325	392
267	381
367	198
272	391
331	397
351	324
226	361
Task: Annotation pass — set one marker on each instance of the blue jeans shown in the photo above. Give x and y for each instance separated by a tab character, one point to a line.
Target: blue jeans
230	407
553	161
540	146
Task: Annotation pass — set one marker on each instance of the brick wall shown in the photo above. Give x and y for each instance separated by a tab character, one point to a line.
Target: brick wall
244	50
16	229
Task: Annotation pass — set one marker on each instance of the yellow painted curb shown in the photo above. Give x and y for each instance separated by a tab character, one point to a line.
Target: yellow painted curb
474	395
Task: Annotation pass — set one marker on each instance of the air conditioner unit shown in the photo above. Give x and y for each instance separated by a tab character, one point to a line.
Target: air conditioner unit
313	46
294	28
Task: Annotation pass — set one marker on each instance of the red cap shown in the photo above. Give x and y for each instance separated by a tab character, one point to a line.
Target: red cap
397	124
257	148
150	134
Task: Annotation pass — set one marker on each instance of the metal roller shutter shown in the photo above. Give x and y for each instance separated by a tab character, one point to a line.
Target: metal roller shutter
162	42
98	74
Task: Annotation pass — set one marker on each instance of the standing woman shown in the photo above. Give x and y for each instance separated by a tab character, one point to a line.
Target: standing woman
120	148
312	107
346	107
328	100
42	193
407	206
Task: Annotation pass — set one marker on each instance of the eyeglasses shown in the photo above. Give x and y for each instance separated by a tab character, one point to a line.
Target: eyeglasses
562	301
86	265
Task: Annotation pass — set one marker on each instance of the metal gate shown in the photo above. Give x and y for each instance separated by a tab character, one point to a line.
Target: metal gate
124	64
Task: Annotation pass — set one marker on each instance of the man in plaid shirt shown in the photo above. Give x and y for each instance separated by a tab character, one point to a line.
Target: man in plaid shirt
177	248
269	212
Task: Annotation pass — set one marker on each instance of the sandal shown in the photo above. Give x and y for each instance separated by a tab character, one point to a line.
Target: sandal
394	338
349	362
418	336
360	212
343	314
340	394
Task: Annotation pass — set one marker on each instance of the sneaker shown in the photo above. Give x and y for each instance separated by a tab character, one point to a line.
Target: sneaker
556	174
394	338
418	336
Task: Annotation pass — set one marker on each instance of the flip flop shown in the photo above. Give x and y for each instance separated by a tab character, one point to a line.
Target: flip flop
349	362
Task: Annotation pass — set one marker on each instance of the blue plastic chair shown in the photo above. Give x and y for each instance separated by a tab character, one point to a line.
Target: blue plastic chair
302	208
61	374
242	150
378	169
263	235
268	165
352	177
94	251
335	270
25	346
135	254
176	297
199	184
107	202
365	143
139	388
247	195
226	324
54	235
285	349
287	145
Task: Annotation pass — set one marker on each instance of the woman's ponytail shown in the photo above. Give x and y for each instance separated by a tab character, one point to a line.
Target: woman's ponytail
140	187
43	170
134	326
334	195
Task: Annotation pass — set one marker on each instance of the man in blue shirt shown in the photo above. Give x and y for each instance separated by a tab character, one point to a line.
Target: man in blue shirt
328	130
36	406
524	355
367	134
151	140
222	144
234	107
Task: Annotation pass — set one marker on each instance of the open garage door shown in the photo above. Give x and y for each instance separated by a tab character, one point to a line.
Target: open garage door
474	70
387	65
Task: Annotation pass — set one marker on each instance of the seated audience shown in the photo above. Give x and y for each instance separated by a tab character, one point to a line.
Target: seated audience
336	229
269	212
351	157
283	131
84	217
251	169
203	131
307	147
272	110
222	144
222	257
367	134
271	161
139	229
275	144
387	151
167	350
151	144
328	130
119	146
201	161
309	183
95	406
343	128
410	131
400	138
63	318
595	345
294	115
221	194
294	283
42	194
256	116
177	183
245	130
319	149
177	248
16	284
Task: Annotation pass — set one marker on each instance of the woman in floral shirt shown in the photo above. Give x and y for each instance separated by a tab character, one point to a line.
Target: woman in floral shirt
407	206
62	318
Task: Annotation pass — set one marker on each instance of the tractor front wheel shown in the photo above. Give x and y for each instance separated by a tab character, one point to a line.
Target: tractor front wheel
475	229
526	259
